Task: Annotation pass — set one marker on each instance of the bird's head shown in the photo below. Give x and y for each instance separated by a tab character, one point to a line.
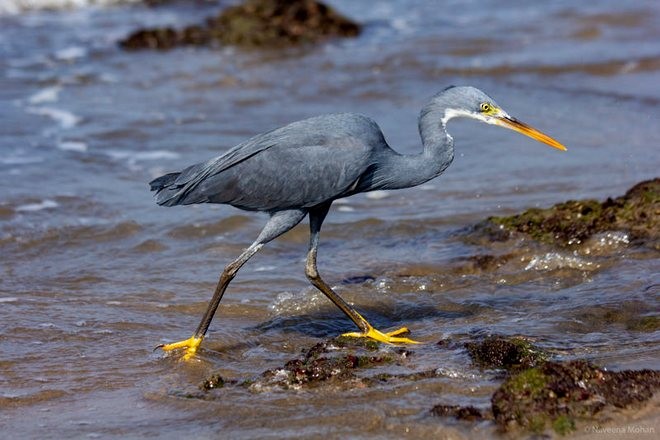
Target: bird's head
472	103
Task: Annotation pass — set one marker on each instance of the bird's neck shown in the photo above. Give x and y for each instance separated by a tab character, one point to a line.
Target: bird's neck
407	170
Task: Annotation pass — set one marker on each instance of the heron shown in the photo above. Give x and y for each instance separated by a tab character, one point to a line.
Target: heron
300	169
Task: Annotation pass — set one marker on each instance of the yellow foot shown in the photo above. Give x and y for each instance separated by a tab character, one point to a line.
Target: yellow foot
189	344
389	338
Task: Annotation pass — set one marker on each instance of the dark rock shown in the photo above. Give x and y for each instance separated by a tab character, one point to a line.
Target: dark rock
479	264
407	377
469	413
557	395
570	223
332	363
167	38
506	353
215	381
325	362
255	23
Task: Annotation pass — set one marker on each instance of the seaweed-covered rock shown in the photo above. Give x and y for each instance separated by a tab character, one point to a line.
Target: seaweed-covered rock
511	354
255	23
309	371
323	362
570	223
558	395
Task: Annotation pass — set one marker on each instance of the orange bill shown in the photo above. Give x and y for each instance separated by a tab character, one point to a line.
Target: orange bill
520	127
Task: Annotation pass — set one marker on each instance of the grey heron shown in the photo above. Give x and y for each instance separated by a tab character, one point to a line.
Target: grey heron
298	170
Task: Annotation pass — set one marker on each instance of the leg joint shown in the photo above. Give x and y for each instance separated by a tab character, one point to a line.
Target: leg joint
311	272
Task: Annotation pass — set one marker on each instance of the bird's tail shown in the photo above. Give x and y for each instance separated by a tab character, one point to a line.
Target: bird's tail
165	189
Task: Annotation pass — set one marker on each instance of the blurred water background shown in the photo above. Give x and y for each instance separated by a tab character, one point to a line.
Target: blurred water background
94	274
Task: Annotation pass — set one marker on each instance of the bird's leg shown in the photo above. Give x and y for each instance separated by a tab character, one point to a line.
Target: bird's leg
279	223
191	344
316	218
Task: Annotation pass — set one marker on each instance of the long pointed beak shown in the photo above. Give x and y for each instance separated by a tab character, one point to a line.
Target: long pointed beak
520	127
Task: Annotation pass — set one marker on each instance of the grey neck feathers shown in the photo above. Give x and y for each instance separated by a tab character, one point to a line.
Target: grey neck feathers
404	171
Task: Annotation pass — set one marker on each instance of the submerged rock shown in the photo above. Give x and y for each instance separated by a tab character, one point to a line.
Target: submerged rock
635	316
558	395
571	223
536	395
333	363
469	413
255	23
215	381
313	370
511	354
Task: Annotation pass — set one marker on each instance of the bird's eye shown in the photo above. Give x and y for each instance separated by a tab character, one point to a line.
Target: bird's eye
485	107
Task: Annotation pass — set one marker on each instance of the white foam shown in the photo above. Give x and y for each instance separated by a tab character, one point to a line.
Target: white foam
18	6
70	53
554	260
376	195
31	207
264	268
400	24
142	155
454	373
8	299
79	147
309	300
65	118
605	242
48	94
17	160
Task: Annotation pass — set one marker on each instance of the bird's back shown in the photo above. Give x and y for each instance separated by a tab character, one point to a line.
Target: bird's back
299	165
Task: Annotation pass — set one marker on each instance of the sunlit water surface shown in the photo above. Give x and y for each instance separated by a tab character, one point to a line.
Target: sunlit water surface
94	274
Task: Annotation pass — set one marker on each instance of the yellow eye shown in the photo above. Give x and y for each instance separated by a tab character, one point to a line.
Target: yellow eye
485	107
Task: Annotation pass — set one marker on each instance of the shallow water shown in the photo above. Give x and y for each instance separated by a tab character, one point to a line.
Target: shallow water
94	274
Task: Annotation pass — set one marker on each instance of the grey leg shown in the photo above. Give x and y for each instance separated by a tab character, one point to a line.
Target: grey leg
316	218
279	223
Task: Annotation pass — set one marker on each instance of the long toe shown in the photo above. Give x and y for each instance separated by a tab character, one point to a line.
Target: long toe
388	338
401	331
191	344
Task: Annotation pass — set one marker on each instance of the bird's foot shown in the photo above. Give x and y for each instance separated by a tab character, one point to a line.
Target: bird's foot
388	338
189	344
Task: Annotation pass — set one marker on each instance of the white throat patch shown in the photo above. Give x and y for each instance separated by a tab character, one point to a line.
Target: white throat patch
451	113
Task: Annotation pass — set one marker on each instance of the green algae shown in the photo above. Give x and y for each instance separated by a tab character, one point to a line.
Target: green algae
529	383
505	353
558	395
349	341
644	324
571	223
563	425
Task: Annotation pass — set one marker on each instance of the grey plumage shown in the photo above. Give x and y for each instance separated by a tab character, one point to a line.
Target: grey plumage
309	162
301	168
290	167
